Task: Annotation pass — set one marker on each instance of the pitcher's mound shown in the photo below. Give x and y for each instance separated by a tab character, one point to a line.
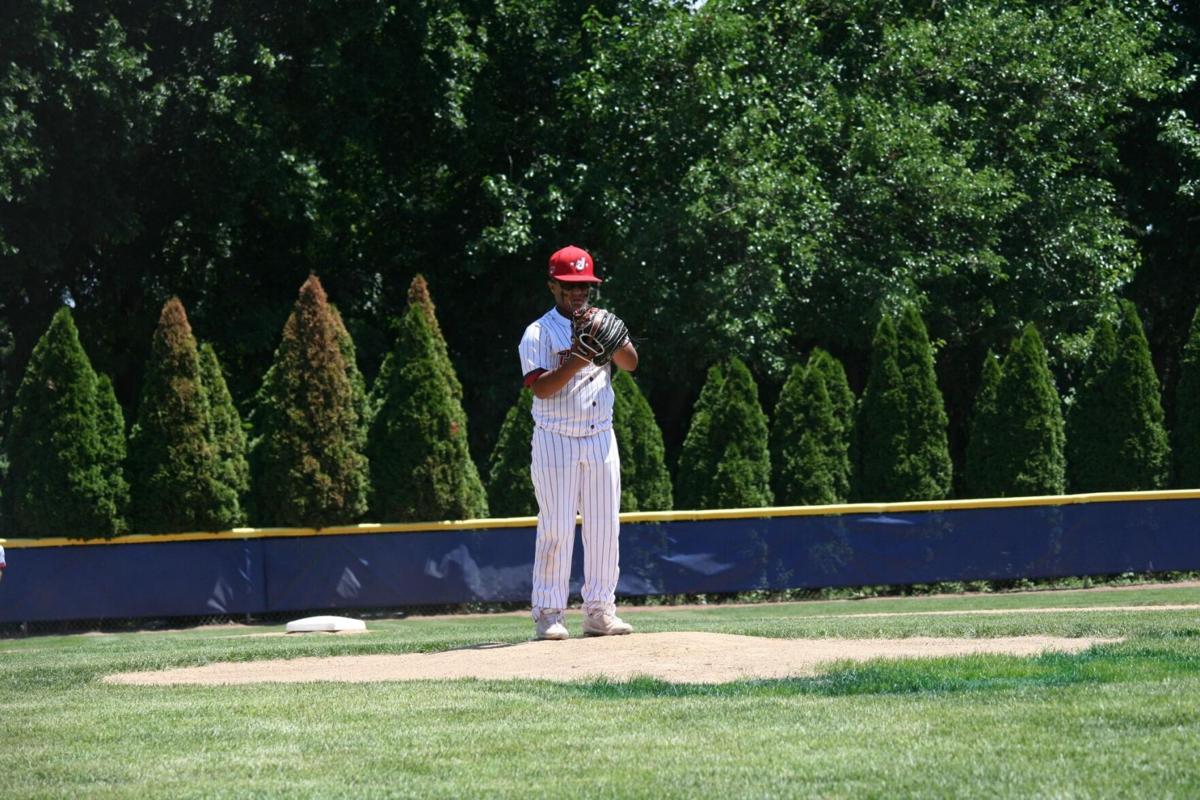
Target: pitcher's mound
674	657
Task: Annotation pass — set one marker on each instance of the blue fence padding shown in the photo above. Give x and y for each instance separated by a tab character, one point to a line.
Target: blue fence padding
379	570
168	579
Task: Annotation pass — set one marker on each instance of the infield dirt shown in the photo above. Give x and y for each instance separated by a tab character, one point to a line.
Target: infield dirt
673	657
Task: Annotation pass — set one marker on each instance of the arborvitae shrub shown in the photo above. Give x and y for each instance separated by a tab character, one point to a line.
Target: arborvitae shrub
421	466
696	472
113	447
981	469
359	396
929	468
510	485
305	463
1130	450
226	432
841	396
65	444
1028	439
882	419
739	430
905	451
174	468
804	434
1187	412
1145	450
418	295
645	482
1092	436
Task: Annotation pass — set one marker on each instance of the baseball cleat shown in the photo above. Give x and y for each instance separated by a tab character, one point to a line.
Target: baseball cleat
550	626
605	623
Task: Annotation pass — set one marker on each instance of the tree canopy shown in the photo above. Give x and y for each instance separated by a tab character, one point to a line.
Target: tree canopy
779	171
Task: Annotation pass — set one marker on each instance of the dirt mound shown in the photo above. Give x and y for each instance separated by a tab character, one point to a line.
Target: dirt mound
674	657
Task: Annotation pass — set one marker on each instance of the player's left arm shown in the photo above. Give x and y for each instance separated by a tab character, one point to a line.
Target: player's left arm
626	356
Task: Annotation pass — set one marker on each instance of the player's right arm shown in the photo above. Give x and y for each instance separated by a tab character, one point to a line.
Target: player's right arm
547	383
540	364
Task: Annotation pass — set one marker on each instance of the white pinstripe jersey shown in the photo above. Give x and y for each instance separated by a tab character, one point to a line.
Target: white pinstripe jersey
582	407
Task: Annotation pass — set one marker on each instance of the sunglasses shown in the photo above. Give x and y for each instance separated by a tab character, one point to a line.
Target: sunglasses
569	286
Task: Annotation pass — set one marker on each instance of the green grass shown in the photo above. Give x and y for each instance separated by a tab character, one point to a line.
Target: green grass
1116	720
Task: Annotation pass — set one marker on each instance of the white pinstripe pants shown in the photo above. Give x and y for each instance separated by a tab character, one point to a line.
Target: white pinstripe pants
576	474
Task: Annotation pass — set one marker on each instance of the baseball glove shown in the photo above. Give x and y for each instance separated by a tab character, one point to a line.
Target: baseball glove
598	334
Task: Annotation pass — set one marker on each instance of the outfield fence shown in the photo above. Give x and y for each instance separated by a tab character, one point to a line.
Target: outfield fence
250	571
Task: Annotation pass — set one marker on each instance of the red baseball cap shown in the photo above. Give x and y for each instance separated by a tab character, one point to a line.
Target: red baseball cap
572	265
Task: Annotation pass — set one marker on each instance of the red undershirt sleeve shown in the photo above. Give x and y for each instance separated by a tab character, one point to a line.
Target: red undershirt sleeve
533	376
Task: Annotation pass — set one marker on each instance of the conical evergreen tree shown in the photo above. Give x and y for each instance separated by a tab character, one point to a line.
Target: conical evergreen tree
928	468
739	428
226	432
1124	399
804	436
174	469
65	444
113	447
698	457
305	464
359	396
882	422
1145	450
1187	412
841	396
1028	439
418	295
981	471
645	482
420	463
510	486
1091	437
905	452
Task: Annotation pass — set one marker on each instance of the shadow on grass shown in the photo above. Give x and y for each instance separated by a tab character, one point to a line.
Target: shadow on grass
1129	662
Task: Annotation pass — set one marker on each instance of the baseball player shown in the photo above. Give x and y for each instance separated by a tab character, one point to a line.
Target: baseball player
566	358
2	562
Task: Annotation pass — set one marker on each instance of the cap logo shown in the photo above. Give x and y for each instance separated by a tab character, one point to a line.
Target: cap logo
580	264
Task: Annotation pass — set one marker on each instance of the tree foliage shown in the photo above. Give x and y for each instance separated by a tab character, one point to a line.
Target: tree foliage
1092	438
1187	412
726	462
175	470
307	468
982	478
743	476
226	433
510	484
902	420
1028	440
810	435
645	482
1117	424
698	459
841	396
65	445
421	467
781	171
